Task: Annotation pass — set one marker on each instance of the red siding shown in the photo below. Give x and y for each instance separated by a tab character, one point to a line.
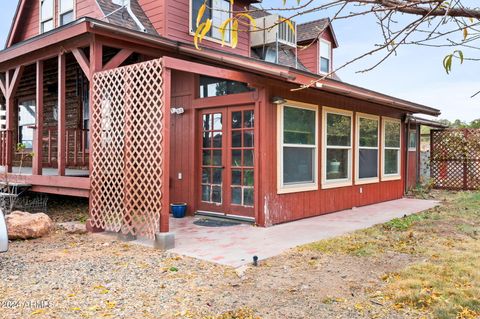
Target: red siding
29	19
155	11
182	146
309	57
286	207
178	17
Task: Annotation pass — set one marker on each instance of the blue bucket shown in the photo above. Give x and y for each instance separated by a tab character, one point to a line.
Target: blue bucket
178	209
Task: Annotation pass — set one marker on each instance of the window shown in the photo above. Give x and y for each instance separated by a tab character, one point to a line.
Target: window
391	149
26	119
46	15
66	14
210	87
297	147
325	56
412	140
337	148
367	148
218	11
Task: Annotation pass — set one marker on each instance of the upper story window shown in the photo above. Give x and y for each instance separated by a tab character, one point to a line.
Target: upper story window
325	56
217	10
210	87
66	12
46	15
297	147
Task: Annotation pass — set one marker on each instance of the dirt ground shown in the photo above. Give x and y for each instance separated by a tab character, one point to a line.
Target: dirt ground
94	276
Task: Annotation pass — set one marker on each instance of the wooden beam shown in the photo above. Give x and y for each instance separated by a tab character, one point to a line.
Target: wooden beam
15	80
3	86
118	59
82	61
61	149
215	71
38	137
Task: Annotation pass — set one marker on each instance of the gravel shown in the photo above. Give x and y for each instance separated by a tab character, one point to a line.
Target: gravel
92	276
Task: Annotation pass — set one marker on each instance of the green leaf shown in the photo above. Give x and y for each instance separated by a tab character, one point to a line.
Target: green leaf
447	63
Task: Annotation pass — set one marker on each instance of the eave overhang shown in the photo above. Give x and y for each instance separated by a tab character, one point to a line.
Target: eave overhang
79	32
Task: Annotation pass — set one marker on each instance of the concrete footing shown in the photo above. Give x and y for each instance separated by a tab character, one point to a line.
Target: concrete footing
164	241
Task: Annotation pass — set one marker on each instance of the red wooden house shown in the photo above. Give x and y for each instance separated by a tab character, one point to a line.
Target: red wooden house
118	106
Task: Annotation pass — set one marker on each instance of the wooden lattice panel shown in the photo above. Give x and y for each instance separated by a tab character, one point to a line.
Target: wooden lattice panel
127	149
455	158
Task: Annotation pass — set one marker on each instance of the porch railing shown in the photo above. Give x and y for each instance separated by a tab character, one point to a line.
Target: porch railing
76	150
5	136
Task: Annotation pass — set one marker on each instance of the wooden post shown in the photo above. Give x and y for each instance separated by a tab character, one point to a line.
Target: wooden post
61	149
96	64
12	82
9	124
165	212
38	138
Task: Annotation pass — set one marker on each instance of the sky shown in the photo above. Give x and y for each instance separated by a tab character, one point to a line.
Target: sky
415	74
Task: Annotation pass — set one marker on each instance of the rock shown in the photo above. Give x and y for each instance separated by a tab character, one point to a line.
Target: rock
73	227
23	225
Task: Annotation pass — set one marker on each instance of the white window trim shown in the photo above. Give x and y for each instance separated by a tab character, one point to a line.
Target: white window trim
191	30
391	177
60	12
367	180
337	182
41	21
412	149
320	56
295	188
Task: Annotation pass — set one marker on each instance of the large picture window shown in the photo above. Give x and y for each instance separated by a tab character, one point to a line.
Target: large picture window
26	119
391	148
66	13
218	11
46	15
337	148
297	150
367	149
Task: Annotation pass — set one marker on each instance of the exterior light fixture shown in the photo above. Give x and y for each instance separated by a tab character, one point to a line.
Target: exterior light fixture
177	110
278	100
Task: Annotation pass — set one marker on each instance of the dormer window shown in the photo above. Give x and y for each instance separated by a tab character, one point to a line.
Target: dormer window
46	15
218	11
325	56
66	14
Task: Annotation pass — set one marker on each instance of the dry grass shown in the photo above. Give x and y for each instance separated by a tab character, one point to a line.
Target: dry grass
446	283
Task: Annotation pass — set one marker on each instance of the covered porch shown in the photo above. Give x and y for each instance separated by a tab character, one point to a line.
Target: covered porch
45	86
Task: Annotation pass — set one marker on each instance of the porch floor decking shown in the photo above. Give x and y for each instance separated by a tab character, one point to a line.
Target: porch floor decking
48	171
236	245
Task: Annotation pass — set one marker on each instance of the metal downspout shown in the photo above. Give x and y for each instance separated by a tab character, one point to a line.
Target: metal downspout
407	144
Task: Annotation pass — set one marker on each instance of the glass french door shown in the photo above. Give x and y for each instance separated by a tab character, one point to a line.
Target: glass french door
226	182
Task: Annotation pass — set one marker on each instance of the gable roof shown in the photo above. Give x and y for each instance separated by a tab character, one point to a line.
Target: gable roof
112	13
117	15
14	24
306	31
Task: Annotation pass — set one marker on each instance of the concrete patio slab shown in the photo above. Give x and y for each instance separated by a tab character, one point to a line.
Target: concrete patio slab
236	245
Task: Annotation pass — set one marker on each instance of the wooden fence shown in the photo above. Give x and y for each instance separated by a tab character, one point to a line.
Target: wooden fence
455	159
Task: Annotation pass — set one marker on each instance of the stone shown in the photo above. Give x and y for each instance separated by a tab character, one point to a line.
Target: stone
73	227
23	225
